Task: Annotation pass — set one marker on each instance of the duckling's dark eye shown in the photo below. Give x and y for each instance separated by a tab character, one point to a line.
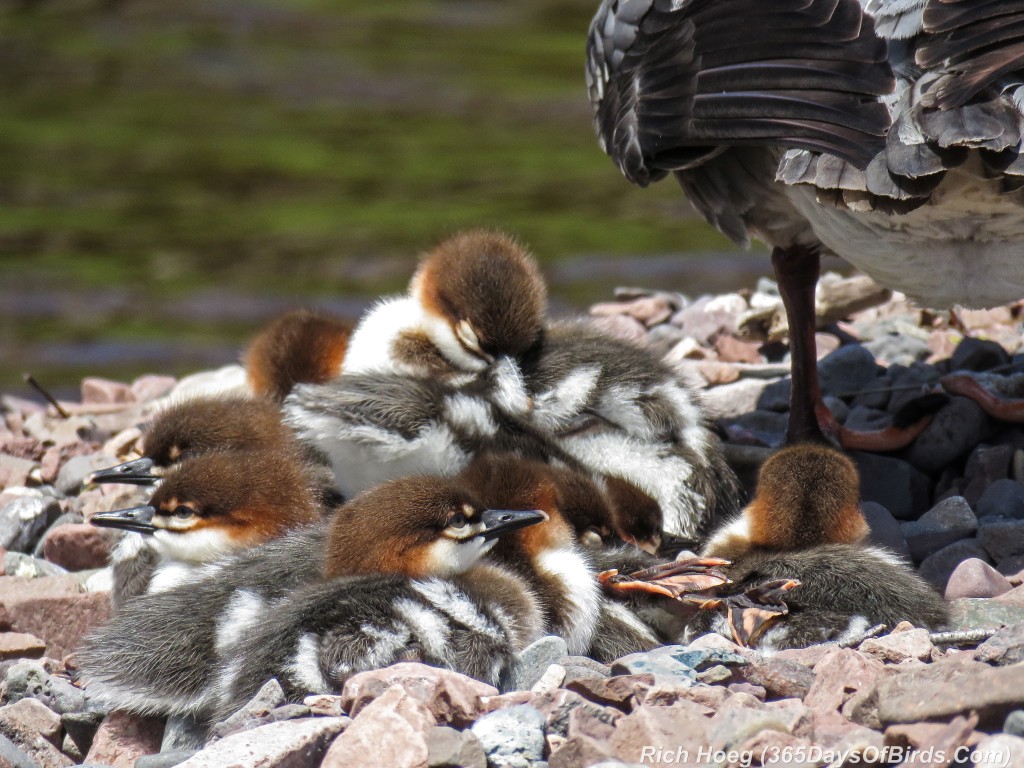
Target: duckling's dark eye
182	512
457	521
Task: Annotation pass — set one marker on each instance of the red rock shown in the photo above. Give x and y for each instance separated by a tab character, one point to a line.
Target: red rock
122	442
1014	597
922	735
450	697
649	310
1000	751
511	699
794	714
949	688
825	344
150	387
391	730
808	657
620	691
733	350
447	746
664	694
19	645
78	546
977	319
567	713
22	447
123	738
646	735
54	608
831	728
841	673
716	373
579	751
35	730
976	578
780	678
757	691
97	391
941	743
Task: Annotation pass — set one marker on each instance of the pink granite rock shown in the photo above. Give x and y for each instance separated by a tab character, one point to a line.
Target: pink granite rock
841	673
97	391
78	546
36	730
123	738
976	578
648	732
393	730
54	608
900	646
296	743
450	697
150	387
20	645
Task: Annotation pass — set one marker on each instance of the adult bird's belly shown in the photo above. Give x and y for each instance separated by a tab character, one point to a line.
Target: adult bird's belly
965	248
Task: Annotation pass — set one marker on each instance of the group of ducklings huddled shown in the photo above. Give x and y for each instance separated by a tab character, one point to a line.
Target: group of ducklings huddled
448	481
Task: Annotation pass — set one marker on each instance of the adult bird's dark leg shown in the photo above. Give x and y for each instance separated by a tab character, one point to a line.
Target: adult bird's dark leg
797	269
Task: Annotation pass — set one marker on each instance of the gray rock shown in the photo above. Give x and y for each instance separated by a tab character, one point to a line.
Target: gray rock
1001	537
23	520
290	743
899	348
936	569
978	355
840	411
165	759
768	427
533	662
183	734
775	397
847	370
877	396
583	668
81	727
955	430
77	468
255	713
12	757
893	483
864	419
29	567
983	613
1014	723
512	737
885	529
986	465
29	680
449	748
289	712
913	382
948	521
1003	498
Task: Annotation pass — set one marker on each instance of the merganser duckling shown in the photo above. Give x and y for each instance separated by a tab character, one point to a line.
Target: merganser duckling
881	131
210	506
299	347
192	428
195	426
475	297
183	651
595	402
804	525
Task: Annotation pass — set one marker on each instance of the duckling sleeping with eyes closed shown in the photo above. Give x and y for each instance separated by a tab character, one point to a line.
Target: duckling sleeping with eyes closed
795	561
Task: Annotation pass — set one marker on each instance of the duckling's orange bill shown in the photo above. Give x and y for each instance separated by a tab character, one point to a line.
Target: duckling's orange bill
137	472
137	519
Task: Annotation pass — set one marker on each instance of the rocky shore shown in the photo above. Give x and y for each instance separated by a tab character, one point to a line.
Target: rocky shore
953	502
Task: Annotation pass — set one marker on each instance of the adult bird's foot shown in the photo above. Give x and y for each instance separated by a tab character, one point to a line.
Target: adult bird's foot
1001	397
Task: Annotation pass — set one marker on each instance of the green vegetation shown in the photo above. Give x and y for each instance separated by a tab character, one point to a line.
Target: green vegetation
301	149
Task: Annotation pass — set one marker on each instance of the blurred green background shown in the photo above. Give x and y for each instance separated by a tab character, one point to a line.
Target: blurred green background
173	174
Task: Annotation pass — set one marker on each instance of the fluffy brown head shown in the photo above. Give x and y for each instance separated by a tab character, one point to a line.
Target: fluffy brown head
193	427
249	496
806	495
419	526
299	347
505	481
487	288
